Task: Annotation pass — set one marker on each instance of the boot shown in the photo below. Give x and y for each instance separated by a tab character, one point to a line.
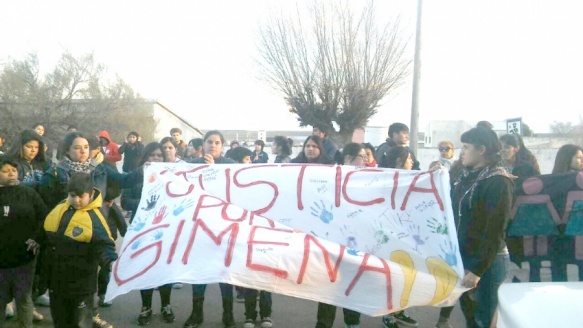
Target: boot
228	318
196	316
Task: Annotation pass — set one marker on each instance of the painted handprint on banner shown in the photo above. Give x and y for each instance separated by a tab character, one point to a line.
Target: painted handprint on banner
160	215
321	212
415	231
186	203
147	238
449	251
151	203
437	227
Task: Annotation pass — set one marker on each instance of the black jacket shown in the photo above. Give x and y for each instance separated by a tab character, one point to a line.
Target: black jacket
131	155
22	213
481	202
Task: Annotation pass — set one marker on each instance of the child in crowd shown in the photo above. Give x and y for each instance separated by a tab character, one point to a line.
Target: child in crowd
78	239
258	155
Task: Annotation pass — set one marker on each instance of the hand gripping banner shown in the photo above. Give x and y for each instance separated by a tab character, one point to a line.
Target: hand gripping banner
368	239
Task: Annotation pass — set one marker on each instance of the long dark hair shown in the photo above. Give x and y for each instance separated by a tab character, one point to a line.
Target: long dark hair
322	159
69	138
23	137
564	158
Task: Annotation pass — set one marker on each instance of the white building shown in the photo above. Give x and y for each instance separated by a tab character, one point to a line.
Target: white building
166	119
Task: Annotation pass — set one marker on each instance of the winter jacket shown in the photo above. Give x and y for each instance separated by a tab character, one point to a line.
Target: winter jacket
29	174
22	213
481	201
330	148
77	242
132	154
111	151
282	159
262	158
181	149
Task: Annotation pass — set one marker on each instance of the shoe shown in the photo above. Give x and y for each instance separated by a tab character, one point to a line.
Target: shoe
249	323
167	313
177	285
266	322
240	298
389	321
100	323
103	303
43	300
193	321
351	326
37	316
9	310
405	320
145	316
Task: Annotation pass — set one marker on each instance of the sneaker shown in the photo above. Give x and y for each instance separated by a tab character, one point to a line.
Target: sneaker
177	285
249	323
266	322
37	316
43	300
102	301
389	321
145	316
167	313
100	323
9	310
240	298
405	320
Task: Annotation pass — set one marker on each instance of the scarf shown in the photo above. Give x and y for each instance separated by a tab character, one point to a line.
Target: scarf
84	167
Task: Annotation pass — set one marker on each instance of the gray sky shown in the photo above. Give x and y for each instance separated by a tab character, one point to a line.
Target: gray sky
481	60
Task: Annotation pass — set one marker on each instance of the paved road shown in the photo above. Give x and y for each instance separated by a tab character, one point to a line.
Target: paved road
288	312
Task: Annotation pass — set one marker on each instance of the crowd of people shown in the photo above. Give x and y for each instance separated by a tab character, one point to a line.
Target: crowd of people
55	213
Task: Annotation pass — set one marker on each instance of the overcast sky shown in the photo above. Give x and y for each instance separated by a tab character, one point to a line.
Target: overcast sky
488	60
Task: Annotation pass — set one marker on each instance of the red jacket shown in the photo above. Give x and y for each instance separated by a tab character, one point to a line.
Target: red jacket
111	150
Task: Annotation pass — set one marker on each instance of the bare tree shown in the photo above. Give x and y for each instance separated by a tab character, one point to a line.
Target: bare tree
335	67
74	92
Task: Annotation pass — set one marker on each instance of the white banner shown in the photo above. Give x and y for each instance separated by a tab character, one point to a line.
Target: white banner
369	239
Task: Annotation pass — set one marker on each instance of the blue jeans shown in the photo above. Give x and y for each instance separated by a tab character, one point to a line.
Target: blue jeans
17	283
479	304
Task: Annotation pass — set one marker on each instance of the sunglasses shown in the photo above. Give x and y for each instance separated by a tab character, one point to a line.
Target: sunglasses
442	149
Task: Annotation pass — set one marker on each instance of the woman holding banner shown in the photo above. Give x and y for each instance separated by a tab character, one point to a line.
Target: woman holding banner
352	154
213	148
130	198
398	157
481	201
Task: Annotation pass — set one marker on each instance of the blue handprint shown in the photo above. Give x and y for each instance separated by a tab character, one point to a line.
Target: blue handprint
186	203
158	235
352	251
137	243
137	225
449	249
321	212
